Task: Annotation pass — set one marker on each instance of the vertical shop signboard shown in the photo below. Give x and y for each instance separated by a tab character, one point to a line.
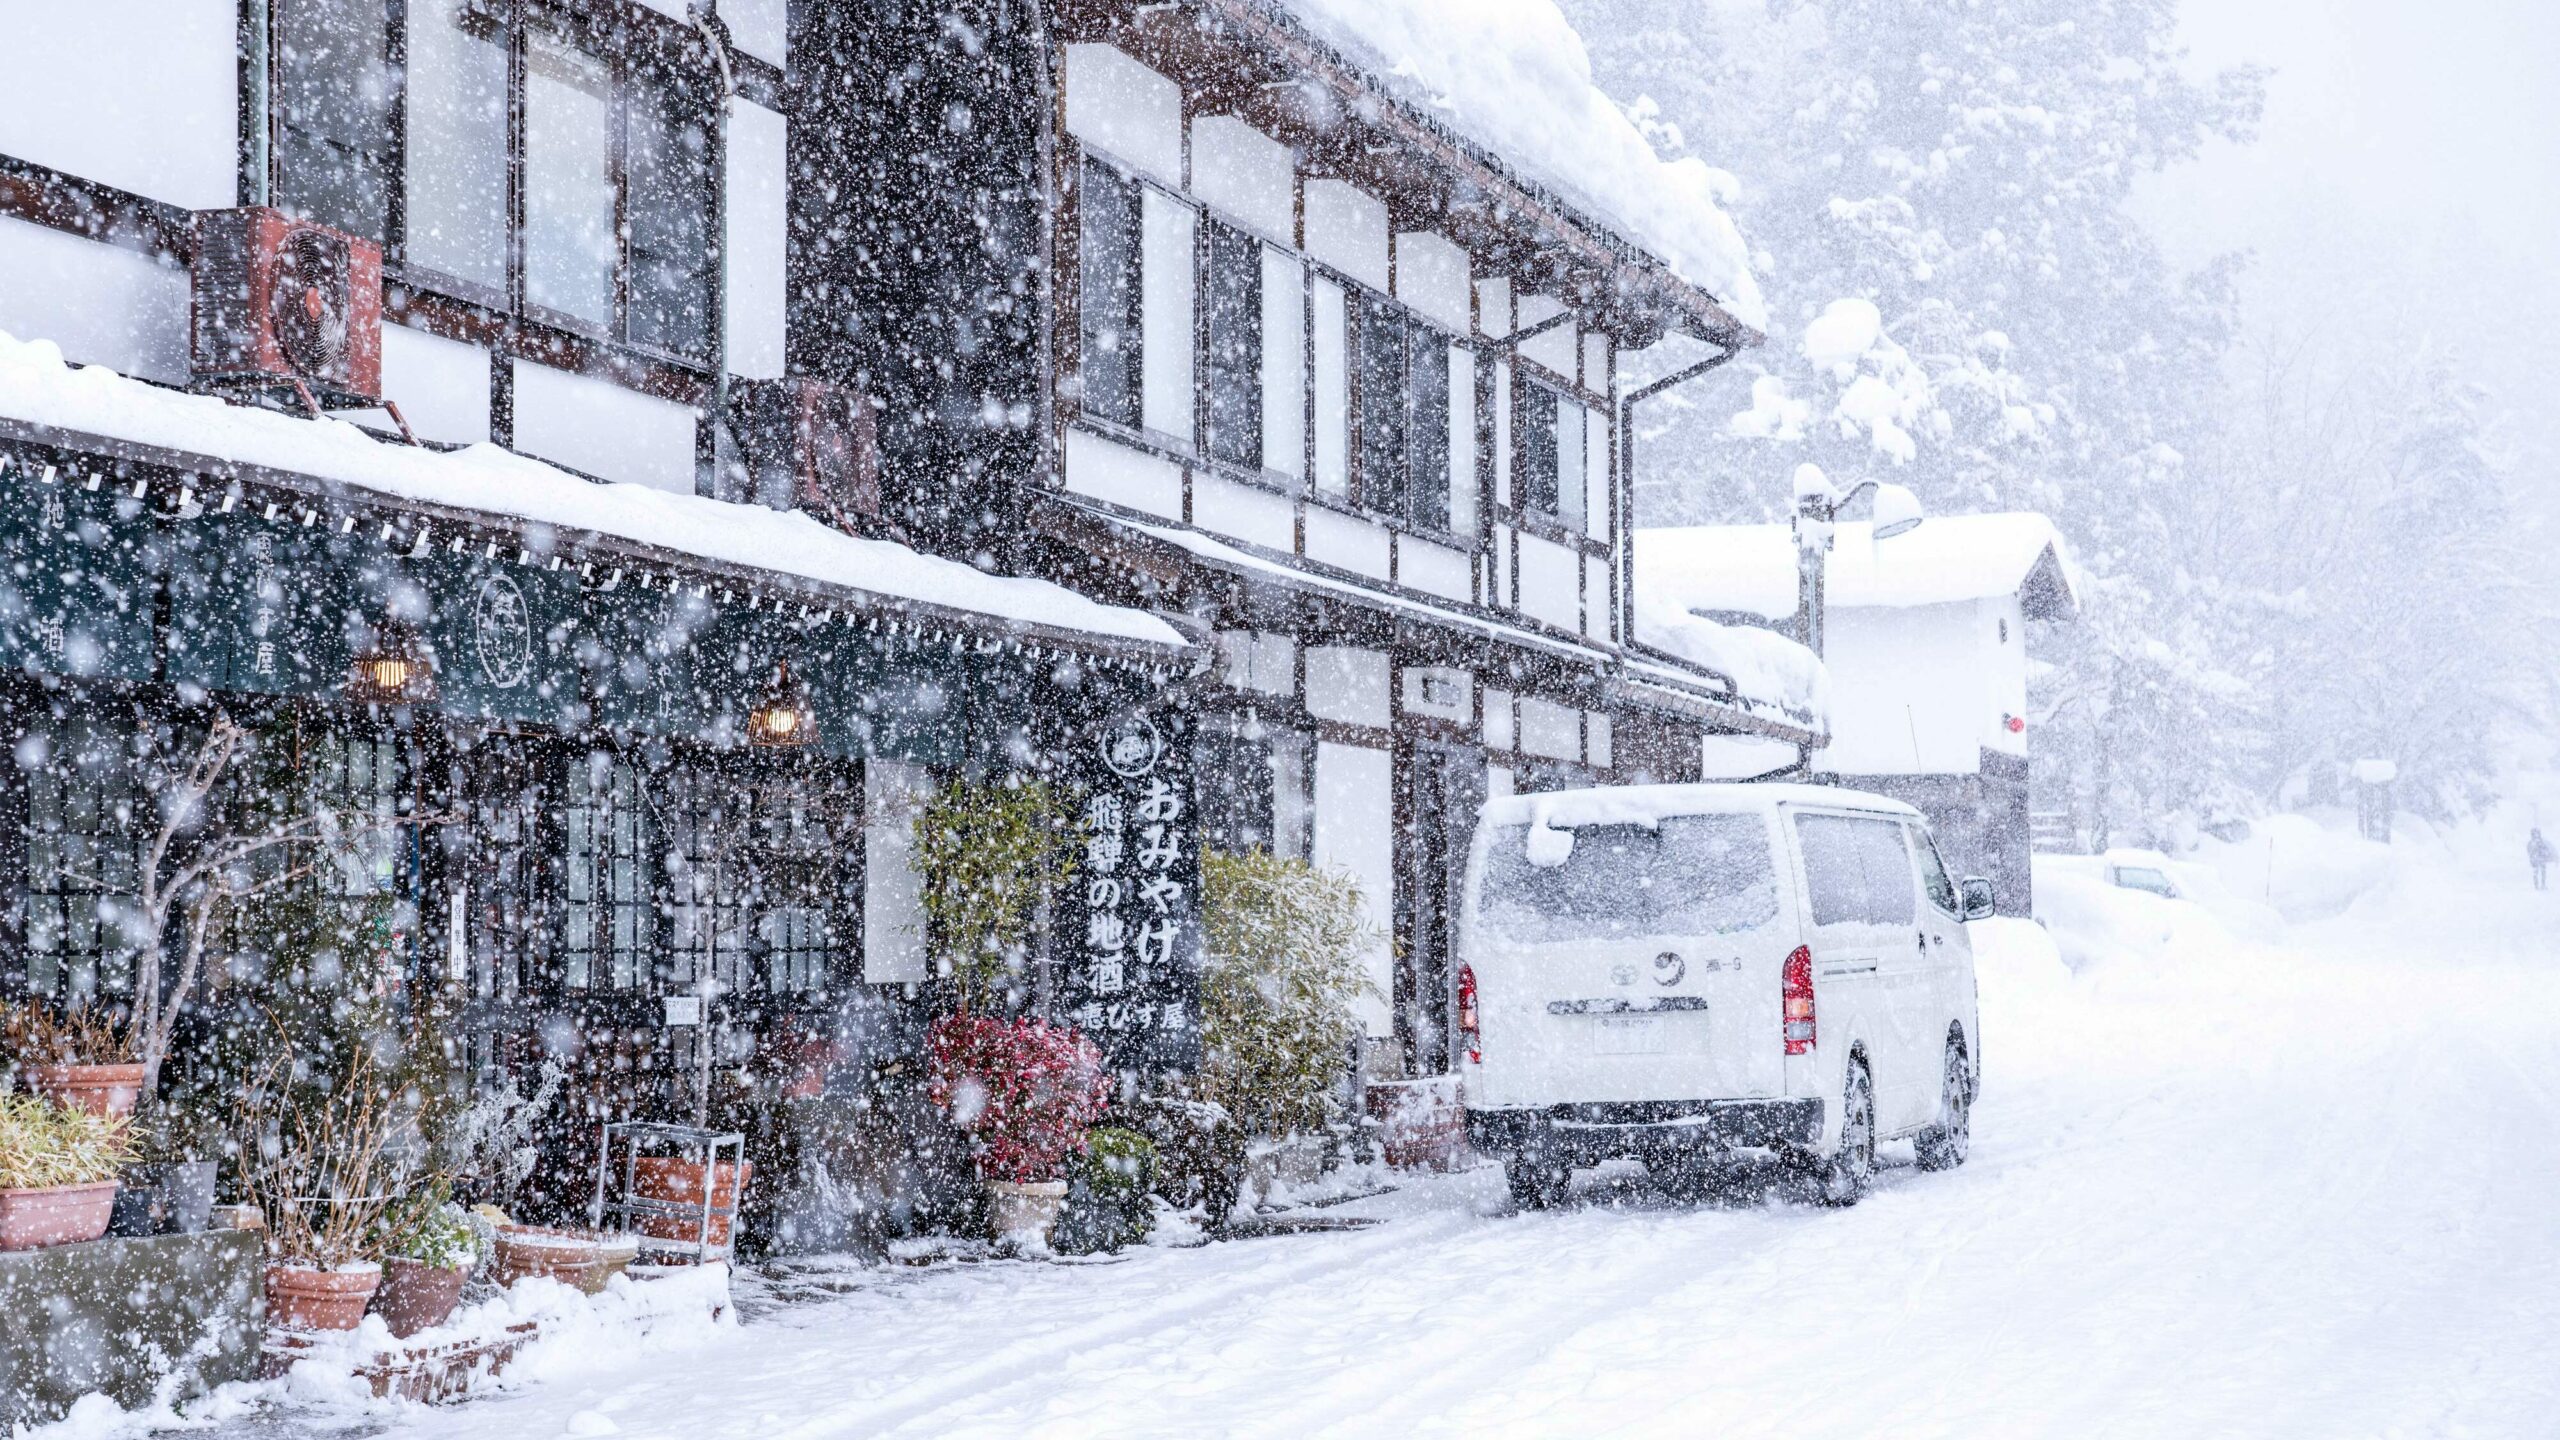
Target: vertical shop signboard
1132	942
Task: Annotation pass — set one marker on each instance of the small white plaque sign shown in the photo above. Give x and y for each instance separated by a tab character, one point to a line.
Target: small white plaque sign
684	1009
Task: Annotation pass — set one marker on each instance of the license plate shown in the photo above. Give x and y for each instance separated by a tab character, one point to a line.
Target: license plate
1628	1035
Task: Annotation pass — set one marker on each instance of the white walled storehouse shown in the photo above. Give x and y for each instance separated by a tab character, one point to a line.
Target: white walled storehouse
1926	653
1337	295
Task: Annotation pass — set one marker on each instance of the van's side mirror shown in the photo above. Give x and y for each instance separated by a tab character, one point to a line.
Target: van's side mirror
1977	898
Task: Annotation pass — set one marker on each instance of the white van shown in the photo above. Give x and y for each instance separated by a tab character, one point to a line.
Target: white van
1670	971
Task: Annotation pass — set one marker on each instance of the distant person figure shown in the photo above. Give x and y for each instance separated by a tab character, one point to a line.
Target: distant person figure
2538	853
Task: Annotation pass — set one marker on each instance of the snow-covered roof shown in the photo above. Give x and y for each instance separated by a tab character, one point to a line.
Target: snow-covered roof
1751	569
1513	76
37	386
1773	688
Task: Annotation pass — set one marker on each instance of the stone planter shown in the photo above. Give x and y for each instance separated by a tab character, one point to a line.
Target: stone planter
417	1296
572	1257
679	1182
56	1215
302	1298
148	1322
98	1089
172	1199
1027	1209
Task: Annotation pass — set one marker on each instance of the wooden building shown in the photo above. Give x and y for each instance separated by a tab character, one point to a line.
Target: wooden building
1271	345
584	215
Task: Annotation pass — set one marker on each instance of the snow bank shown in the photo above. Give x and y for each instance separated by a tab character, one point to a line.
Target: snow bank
1513	76
2097	925
675	1310
2302	868
37	386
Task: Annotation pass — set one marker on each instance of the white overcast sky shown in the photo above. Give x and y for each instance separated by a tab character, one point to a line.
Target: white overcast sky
2405	189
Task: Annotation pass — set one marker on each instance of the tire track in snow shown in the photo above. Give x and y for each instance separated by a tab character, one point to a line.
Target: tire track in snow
1032	1364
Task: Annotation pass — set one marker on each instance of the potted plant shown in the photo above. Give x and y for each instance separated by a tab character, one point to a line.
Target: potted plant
1284	964
1108	1193
1025	1092
57	1172
326	1168
84	1057
523	1252
431	1252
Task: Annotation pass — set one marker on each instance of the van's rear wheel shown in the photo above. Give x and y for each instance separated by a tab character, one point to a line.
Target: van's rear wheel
1843	1176
1944	1145
1536	1183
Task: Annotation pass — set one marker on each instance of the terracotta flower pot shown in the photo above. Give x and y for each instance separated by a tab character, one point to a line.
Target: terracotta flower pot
572	1257
302	1298
665	1177
1027	1209
98	1089
614	1254
417	1296
56	1215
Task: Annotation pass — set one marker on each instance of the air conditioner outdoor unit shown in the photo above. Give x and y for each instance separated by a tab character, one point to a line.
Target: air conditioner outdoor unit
811	445
283	304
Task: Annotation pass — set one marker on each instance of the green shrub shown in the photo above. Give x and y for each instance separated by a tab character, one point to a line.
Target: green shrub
438	1235
1284	963
1108	1194
985	854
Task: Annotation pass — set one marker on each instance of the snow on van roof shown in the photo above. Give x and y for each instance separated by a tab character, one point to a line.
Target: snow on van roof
1751	569
1513	76
1650	805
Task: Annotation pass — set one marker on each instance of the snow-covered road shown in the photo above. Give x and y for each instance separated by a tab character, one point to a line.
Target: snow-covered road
2243	1191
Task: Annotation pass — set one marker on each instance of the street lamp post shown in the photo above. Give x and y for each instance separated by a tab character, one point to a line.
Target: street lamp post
1818	507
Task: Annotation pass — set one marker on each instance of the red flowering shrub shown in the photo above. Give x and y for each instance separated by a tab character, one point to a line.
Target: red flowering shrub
1025	1090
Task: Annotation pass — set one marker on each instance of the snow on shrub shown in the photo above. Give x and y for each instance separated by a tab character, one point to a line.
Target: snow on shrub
1284	961
1026	1091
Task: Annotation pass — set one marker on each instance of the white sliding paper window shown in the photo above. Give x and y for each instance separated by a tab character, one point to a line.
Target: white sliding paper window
1462	440
1333	391
1284	364
1597	505
1165	323
892	892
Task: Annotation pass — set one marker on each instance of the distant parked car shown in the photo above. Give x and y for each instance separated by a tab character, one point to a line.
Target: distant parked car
2144	870
1675	972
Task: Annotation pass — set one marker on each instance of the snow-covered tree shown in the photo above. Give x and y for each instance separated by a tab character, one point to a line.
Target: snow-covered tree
1964	170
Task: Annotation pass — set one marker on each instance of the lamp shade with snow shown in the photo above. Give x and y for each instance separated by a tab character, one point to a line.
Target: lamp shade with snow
1897	511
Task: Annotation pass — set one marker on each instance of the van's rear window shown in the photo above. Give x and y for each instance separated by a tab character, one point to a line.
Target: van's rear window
1695	875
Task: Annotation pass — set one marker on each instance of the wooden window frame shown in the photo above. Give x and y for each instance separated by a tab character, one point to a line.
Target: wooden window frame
636	45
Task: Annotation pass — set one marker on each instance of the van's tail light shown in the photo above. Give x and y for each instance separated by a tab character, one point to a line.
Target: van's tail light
1467	1027
1797	989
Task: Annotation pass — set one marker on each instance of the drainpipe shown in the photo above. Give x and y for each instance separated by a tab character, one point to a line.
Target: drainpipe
1627	481
256	82
715	36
